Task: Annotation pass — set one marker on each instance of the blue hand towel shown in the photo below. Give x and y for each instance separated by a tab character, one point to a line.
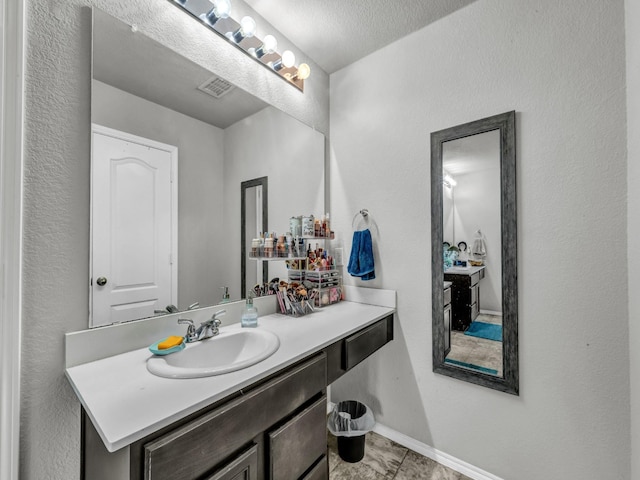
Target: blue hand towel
361	258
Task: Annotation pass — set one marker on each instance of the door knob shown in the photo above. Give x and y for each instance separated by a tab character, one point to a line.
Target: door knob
101	281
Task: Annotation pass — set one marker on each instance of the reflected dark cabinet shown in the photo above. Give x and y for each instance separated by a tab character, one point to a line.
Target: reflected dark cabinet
465	297
447	320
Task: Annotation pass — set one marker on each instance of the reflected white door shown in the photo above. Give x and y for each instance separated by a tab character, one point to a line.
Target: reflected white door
134	226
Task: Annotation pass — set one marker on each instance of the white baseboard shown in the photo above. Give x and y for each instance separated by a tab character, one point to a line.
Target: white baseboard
434	454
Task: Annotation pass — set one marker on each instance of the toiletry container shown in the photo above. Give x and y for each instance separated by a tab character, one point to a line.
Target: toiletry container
250	315
225	295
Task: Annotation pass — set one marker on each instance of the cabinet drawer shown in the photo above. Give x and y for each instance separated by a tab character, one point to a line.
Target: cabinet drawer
447	297
190	451
475	278
297	445
475	292
320	471
243	467
360	345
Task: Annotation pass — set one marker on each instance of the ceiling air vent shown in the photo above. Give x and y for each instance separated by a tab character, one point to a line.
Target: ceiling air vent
216	87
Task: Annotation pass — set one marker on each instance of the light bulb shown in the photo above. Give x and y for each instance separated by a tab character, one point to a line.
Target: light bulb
269	45
247	29
288	58
221	9
303	71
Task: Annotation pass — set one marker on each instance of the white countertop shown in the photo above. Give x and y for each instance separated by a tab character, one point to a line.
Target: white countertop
126	403
463	270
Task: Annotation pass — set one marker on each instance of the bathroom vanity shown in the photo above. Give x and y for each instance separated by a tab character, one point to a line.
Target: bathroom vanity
267	421
465	295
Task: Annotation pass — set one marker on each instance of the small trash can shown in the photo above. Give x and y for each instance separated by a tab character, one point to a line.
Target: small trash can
350	421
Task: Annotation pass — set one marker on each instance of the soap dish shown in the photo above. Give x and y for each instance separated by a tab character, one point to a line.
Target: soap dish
156	351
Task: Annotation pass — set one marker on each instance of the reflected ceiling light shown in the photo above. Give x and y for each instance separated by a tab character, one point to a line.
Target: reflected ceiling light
221	9
242	35
449	181
269	45
247	29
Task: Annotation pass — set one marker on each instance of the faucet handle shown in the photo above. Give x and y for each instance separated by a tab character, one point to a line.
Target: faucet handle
191	328
217	314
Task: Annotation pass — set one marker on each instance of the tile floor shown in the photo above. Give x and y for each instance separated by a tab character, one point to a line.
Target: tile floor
478	351
386	460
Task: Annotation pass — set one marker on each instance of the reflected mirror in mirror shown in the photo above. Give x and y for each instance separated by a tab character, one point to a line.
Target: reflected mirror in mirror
219	136
474	252
254	212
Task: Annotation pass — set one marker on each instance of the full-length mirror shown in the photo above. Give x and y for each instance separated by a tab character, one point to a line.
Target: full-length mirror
254	218
171	145
474	278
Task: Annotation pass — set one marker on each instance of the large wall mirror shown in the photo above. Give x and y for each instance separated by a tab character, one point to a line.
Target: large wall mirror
176	143
473	247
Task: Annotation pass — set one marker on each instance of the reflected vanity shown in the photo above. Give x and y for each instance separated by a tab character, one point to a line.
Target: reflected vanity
474	278
222	137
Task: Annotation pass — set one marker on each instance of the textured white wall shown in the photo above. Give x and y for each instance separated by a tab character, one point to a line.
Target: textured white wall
56	196
560	65
632	29
200	184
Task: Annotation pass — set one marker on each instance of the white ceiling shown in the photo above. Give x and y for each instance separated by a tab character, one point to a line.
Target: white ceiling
336	33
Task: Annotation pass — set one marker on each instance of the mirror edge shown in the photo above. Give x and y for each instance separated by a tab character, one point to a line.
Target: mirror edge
505	122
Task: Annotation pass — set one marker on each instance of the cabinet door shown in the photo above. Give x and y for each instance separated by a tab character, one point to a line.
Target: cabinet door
447	329
320	471
190	451
299	443
243	467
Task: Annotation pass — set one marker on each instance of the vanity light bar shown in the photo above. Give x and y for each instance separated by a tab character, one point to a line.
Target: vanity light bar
214	14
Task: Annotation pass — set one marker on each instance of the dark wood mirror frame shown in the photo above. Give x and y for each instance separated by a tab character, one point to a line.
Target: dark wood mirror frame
256	182
504	122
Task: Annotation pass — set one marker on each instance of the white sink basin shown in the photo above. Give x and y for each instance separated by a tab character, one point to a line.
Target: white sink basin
229	351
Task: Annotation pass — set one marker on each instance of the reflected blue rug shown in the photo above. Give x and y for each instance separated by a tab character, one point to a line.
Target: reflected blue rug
471	366
485	330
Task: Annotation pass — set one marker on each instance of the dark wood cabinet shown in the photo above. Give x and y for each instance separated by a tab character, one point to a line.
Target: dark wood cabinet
465	297
447	321
346	353
272	430
196	448
299	443
243	467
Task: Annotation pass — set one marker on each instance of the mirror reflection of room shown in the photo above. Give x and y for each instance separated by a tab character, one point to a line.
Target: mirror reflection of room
472	253
221	137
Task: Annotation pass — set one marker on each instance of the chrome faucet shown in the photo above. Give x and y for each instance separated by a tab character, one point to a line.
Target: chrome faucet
168	309
207	329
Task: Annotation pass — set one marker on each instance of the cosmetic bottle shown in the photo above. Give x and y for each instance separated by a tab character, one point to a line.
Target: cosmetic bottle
225	295
250	315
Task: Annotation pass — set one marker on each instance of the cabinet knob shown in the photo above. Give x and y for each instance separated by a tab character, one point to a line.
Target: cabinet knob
101	281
